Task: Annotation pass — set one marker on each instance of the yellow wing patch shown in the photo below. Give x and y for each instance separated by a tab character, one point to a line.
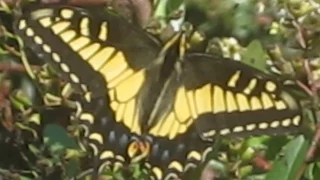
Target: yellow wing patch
234	79
231	102
46	22
252	84
89	51
84	26
203	99
60	26
255	103
68	35
22	24
38	40
182	103
67	13
243	100
123	100
29	32
103	34
218	100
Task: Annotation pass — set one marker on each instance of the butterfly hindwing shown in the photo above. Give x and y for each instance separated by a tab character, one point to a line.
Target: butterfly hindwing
108	144
172	158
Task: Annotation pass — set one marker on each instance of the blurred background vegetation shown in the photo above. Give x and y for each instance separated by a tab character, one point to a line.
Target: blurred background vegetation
276	36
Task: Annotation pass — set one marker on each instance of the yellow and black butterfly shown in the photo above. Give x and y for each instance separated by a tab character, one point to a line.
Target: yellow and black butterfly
148	101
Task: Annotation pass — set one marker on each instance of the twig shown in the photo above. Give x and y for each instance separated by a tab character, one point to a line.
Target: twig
304	87
315	140
16	67
311	151
11	50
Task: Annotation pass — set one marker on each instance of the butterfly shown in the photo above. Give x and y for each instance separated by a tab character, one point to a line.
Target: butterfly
144	101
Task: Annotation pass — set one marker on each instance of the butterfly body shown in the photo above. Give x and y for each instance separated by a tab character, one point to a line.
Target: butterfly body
152	102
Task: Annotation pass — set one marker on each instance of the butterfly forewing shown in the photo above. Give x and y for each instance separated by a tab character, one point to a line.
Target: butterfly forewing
103	55
95	54
225	97
244	101
64	34
36	29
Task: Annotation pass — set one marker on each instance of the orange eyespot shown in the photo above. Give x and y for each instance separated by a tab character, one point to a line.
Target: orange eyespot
138	148
133	149
144	147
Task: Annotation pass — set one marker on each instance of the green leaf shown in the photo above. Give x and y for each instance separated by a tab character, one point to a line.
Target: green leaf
172	6
313	171
309	171
257	141
164	8
160	8
57	139
316	171
24	178
72	168
20	100
4	7
255	56
286	168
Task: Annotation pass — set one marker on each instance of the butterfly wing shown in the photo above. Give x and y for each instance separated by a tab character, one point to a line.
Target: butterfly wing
105	57
244	100
208	96
94	40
